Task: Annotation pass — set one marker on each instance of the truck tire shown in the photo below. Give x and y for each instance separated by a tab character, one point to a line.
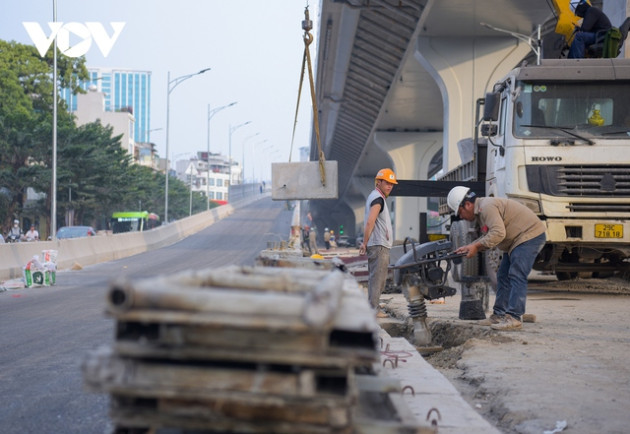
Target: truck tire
462	233
568	258
566	275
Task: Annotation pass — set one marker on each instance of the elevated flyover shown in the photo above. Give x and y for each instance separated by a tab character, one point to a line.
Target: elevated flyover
397	82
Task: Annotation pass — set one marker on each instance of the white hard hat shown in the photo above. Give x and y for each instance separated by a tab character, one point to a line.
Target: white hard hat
16	221
456	197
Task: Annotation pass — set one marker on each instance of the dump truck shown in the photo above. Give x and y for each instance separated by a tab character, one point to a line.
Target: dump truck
556	137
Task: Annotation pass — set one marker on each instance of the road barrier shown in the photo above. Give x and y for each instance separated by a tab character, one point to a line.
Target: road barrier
108	247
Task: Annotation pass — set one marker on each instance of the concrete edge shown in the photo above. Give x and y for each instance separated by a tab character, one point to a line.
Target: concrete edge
426	390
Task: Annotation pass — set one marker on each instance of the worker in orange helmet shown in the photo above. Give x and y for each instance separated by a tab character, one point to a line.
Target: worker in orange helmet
378	236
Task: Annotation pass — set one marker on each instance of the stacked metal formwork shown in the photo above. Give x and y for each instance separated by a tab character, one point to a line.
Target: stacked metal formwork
237	349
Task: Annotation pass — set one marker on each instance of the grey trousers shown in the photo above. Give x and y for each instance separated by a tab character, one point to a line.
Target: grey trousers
378	261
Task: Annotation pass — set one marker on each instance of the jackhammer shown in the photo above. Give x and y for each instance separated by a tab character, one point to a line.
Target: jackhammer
422	272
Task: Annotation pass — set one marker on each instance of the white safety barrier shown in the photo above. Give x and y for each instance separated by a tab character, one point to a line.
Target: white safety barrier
108	247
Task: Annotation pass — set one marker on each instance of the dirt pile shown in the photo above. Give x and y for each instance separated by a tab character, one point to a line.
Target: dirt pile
570	365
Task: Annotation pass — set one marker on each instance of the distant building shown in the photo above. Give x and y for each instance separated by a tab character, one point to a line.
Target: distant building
209	174
91	107
124	90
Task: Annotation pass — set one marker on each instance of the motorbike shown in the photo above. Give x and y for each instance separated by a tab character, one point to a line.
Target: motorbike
12	238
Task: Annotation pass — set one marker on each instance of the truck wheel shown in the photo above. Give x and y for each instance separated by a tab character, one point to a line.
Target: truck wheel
462	234
565	275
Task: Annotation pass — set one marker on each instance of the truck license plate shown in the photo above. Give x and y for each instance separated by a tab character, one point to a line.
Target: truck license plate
608	231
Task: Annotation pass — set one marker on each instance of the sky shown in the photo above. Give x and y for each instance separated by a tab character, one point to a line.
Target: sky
253	47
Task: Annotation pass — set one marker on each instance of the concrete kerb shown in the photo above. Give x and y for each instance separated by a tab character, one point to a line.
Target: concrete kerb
426	390
103	248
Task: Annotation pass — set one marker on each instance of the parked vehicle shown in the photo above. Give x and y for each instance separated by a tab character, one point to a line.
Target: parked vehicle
344	241
134	221
75	232
553	138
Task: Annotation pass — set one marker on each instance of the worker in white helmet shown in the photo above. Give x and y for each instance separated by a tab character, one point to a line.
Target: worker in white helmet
513	228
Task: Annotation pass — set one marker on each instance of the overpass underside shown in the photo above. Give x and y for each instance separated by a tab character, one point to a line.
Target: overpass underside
397	82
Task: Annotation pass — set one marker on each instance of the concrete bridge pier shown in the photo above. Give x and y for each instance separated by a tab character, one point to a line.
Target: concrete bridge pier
464	70
411	154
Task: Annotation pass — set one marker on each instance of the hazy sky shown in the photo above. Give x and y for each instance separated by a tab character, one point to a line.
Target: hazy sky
254	48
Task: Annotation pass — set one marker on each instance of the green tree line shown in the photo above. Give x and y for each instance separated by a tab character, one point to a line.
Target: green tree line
95	175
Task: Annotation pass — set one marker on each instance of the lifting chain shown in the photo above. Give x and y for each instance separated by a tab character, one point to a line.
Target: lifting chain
307	25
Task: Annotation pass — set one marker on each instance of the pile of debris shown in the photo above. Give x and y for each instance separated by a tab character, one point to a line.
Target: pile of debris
237	349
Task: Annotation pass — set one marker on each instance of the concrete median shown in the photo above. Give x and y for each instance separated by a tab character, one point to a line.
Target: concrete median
108	247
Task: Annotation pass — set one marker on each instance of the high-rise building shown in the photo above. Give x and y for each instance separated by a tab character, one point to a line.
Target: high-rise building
125	90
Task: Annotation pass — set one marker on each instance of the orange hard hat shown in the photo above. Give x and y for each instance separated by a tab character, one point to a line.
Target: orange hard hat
387	175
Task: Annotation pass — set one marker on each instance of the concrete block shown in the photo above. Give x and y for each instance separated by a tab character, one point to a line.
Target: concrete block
303	181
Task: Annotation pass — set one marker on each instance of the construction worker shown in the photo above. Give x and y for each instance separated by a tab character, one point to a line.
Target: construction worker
327	238
305	239
378	236
312	242
593	22
513	228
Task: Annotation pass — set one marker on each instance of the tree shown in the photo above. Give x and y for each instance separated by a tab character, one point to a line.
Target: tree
26	101
95	175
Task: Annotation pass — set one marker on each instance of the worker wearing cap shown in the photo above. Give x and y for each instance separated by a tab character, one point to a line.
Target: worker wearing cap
514	229
378	236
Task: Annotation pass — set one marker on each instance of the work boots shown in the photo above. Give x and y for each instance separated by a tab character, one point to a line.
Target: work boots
507	322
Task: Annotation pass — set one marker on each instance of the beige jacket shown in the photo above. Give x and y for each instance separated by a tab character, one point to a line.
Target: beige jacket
506	223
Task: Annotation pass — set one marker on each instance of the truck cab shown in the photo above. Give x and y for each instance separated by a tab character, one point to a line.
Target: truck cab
558	141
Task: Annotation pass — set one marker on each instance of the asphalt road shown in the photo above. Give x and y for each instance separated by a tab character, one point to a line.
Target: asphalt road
46	332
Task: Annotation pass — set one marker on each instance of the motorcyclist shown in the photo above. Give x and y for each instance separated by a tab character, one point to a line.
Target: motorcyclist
15	233
32	234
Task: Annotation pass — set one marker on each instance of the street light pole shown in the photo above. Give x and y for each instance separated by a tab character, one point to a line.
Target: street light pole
174	82
243	161
191	179
232	129
53	189
211	113
253	154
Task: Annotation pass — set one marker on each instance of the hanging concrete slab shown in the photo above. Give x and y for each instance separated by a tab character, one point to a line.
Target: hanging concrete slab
303	181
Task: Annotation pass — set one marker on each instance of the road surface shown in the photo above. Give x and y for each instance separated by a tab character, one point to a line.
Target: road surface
572	365
46	332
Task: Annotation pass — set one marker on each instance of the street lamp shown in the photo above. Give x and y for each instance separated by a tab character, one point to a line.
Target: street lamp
253	154
211	113
534	44
232	129
149	133
170	86
243	160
